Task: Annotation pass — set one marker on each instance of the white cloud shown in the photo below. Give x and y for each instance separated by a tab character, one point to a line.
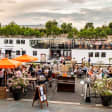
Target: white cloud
39	11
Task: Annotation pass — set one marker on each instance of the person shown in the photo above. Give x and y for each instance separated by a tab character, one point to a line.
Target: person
62	59
31	69
18	73
100	74
39	71
49	78
89	61
1	76
109	72
91	71
73	61
41	78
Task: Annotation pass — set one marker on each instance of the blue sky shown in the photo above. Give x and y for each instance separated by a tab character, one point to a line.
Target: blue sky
79	12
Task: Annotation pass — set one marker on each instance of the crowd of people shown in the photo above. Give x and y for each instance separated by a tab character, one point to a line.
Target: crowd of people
93	72
42	73
45	72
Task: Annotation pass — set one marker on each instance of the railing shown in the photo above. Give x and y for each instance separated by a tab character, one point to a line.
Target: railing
73	46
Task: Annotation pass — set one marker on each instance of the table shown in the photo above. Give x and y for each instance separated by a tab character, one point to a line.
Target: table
30	79
65	84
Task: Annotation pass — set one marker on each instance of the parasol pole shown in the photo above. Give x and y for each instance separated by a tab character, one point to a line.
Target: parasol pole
5	79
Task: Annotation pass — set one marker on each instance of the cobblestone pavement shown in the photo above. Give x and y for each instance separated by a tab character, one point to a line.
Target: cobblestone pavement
22	106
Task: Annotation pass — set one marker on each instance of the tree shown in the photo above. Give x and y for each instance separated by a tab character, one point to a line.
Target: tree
51	28
110	25
89	25
103	34
64	28
69	27
37	33
75	31
70	35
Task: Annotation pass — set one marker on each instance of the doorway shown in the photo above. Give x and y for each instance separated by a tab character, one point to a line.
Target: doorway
8	53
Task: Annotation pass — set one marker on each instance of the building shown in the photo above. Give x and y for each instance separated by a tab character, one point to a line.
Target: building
99	51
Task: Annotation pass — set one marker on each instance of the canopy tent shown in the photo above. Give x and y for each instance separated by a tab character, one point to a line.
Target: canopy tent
8	63
26	58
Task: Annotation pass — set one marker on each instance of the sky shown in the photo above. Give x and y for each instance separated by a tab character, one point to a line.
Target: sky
35	12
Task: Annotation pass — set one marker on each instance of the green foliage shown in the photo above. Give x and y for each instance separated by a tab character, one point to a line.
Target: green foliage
89	26
66	28
104	86
70	35
52	29
110	25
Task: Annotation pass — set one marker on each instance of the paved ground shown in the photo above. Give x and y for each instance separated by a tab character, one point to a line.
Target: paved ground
21	106
60	96
53	95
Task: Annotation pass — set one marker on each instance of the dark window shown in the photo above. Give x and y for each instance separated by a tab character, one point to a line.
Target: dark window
17	41
10	41
5	41
22	41
97	54
34	53
23	52
18	52
90	54
103	54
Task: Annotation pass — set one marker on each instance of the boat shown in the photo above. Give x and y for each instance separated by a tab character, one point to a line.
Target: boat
45	49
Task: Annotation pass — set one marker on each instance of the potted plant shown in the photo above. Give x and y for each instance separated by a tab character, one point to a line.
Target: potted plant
17	85
104	88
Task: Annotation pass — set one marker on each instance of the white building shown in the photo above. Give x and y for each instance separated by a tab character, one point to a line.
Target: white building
13	47
45	49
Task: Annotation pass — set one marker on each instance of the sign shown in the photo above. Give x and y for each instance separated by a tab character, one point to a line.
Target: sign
40	94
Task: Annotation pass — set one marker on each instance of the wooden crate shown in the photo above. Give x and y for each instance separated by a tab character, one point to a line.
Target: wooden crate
3	93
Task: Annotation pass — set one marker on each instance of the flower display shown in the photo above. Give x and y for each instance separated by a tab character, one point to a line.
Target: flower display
104	86
17	82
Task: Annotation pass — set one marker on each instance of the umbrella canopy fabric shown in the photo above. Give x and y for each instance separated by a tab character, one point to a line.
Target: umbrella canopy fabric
9	63
26	58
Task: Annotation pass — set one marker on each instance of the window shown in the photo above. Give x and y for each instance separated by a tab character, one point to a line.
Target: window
17	41
97	54
22	41
18	52
90	54
34	53
23	52
5	41
10	41
103	54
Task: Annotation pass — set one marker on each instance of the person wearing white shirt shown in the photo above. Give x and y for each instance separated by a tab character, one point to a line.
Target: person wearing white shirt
99	75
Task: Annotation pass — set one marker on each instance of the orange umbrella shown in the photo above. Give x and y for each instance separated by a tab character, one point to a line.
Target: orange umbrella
26	58
9	63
